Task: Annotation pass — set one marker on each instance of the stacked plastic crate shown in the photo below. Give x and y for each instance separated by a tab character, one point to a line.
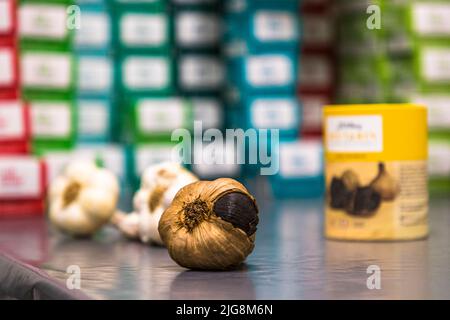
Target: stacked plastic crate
145	80
316	72
262	46
48	72
22	176
430	30
406	59
201	74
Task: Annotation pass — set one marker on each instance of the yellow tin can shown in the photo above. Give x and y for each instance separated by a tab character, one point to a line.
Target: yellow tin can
376	172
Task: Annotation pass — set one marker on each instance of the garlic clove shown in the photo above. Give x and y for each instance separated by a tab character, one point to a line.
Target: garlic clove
81	171
140	199
148	227
57	187
97	203
128	224
104	179
71	219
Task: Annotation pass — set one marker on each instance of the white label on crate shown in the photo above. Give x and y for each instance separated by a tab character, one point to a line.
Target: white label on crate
143	29
113	159
436	64
300	159
93	117
94	31
201	73
438	155
160	115
146	73
317	30
95	74
315	71
11	120
275	26
5	16
312	111
43	21
197	29
354	133
6	67
46	70
431	18
269	70
149	155
216	161
274	113
56	162
50	119
208	111
20	177
438	109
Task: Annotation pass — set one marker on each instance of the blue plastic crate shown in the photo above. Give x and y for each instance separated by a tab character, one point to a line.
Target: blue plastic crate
300	172
95	120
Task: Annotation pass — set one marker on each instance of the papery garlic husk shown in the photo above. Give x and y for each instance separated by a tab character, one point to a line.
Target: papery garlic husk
385	184
83	198
159	185
210	225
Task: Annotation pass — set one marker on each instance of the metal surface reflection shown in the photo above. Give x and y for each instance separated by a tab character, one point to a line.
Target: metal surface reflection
291	260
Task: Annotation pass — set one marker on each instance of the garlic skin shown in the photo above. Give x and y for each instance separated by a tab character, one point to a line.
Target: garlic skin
83	198
159	185
210	225
385	184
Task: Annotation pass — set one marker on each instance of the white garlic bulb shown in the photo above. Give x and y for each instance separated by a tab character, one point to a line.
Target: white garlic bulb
83	198
159	184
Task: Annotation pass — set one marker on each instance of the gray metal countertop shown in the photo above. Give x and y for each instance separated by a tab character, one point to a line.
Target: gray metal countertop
291	260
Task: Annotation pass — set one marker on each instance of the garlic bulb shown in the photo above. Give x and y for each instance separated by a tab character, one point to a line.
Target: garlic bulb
210	225
385	184
159	185
83	198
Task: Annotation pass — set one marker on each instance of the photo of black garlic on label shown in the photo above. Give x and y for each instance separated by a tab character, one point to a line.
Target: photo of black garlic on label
385	184
365	202
340	195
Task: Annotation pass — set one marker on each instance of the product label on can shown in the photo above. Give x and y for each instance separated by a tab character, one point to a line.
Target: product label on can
11	120
43	21
354	133
318	30
20	177
376	172
50	120
143	29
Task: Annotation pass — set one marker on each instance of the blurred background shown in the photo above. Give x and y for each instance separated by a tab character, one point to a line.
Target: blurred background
111	79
